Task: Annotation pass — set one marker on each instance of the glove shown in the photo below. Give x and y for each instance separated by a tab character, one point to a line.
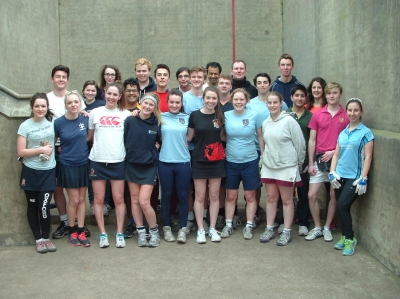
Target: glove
43	157
334	178
361	185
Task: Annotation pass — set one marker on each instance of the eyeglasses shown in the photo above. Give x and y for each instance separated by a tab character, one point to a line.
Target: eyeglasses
354	100
131	91
109	75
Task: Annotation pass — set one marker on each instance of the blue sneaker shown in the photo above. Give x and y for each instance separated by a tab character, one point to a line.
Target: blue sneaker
340	244
349	246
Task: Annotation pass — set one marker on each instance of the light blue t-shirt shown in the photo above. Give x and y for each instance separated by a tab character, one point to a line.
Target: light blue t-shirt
240	130
192	103
262	110
351	155
35	133
173	136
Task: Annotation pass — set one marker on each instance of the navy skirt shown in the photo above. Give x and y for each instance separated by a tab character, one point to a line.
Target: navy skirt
72	176
107	171
37	180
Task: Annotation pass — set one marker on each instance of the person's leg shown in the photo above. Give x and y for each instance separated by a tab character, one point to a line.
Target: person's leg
200	192
127	200
251	207
230	203
81	212
117	188
73	196
213	192
331	208
61	201
144	201
313	202
303	208
136	211
155	195
272	202
44	198
346	198
33	213
99	189
166	174
182	183
288	206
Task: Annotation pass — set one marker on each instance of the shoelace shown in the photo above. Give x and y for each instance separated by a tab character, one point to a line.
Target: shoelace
82	236
74	235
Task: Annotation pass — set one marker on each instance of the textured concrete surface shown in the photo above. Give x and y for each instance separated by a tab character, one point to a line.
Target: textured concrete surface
235	268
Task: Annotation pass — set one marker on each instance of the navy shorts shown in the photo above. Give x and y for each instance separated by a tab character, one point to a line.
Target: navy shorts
246	172
107	171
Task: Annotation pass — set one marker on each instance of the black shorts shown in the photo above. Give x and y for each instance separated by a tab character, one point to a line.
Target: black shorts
73	176
37	180
107	171
140	174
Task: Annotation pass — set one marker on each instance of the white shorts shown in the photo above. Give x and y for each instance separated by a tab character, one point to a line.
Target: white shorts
319	177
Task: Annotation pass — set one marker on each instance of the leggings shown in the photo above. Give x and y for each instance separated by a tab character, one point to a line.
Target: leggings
38	213
303	208
178	174
346	196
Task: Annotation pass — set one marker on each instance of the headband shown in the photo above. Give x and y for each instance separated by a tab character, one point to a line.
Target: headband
150	97
354	99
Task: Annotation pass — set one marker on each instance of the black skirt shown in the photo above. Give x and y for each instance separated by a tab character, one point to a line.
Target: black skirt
141	174
72	176
208	170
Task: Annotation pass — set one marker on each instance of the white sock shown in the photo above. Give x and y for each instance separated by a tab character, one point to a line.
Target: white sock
191	216
228	222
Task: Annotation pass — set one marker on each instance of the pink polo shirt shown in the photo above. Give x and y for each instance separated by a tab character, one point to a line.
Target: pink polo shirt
328	128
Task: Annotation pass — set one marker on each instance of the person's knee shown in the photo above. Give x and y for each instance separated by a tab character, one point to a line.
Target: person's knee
99	200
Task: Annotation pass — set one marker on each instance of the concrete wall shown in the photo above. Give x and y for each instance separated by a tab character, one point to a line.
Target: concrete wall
178	33
356	43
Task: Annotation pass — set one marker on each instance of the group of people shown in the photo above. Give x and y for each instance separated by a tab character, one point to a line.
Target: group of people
203	138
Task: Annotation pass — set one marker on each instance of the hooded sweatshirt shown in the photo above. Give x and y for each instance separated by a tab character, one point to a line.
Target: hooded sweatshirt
246	85
140	137
284	142
149	88
284	88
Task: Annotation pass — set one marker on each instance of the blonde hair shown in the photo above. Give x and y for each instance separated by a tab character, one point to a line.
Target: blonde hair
143	61
156	112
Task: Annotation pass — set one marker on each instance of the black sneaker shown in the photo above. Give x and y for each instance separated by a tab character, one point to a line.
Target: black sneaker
130	230
61	231
73	239
86	230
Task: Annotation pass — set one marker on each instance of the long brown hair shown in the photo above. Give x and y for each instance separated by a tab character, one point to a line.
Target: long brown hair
218	111
41	95
118	77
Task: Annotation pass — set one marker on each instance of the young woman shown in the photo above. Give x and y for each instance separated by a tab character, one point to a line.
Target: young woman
174	165
284	152
141	134
316	94
108	74
35	144
349	170
208	160
72	174
107	159
242	160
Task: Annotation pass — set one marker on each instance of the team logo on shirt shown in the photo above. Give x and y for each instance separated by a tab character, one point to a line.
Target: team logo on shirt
182	121
245	122
341	120
151	132
216	123
110	120
81	126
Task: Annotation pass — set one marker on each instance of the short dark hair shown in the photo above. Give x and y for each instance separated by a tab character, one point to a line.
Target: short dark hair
131	81
261	75
60	68
90	82
298	87
214	64
182	69
162	66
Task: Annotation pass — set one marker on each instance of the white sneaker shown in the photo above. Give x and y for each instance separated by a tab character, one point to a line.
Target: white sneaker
104	240
280	228
226	232
303	230
201	237
168	235
214	235
313	234
248	233
181	236
190	227
120	240
327	235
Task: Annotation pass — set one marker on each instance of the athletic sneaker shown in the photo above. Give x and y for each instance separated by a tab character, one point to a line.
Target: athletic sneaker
154	238
214	235
256	221
267	235
327	235
61	231
201	237
103	240
142	239
84	241
168	235
227	231
175	225
41	247
220	222
236	222
284	239
130	230
86	230
106	209
181	236
313	234
120	240
248	233
280	228
50	246
205	226
303	230
73	239
91	209
190	227
334	224
349	246
340	244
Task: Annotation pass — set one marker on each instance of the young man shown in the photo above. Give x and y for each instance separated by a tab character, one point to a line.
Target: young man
183	78
325	126
225	85
59	78
142	69
193	99
286	81
214	69
131	94
239	78
161	75
303	117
